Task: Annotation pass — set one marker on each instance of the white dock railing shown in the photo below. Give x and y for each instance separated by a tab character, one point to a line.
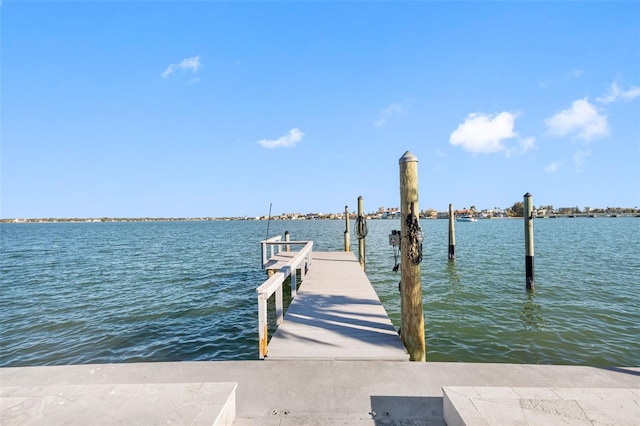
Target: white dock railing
273	243
301	260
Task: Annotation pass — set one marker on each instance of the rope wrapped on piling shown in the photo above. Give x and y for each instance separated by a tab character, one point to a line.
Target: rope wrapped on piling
414	237
361	227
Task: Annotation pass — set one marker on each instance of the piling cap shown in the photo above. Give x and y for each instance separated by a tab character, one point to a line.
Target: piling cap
527	195
408	157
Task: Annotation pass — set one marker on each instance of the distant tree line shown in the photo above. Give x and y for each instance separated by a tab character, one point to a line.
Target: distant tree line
517	210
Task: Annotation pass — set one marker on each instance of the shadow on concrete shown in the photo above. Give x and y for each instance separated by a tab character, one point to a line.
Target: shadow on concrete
407	410
622	370
332	313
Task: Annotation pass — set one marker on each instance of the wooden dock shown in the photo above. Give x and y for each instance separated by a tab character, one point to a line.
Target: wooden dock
336	315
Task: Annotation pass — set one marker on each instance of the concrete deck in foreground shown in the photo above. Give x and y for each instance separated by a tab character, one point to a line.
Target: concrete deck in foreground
342	392
336	315
546	406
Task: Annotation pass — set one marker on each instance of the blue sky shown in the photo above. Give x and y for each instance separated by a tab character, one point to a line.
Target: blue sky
187	109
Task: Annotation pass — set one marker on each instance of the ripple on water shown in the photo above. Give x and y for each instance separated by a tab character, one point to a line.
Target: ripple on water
127	292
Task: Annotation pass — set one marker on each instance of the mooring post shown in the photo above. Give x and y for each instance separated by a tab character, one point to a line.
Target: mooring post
412	327
452	234
347	238
362	232
528	240
287	238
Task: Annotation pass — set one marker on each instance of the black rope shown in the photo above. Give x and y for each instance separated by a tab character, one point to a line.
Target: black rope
396	265
361	227
394	242
414	235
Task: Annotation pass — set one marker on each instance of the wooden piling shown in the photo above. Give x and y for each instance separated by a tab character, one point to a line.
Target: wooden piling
347	238
452	234
412	327
287	238
361	232
528	241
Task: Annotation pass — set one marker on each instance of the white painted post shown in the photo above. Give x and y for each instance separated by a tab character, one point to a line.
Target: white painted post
279	306
263	244
294	282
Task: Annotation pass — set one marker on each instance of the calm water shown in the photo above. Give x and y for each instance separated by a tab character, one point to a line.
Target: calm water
169	291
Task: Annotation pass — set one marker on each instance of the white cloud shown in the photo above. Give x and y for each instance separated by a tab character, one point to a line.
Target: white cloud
575	73
615	93
289	140
190	64
484	133
387	113
579	158
582	120
525	144
552	167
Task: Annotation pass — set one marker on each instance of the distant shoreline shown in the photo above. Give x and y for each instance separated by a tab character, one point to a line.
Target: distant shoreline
277	218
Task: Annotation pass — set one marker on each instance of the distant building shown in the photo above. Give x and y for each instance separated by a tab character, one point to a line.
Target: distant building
388	213
429	214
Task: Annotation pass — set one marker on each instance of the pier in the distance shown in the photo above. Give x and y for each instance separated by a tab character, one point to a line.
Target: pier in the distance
335	314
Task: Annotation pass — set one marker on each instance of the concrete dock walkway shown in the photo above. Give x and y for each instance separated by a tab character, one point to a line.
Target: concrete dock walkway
333	392
336	315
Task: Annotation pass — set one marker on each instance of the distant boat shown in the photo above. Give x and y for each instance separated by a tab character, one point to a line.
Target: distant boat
466	219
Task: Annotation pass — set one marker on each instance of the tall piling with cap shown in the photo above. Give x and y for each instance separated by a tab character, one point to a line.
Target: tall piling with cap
287	238
361	231
412	326
347	238
452	234
528	240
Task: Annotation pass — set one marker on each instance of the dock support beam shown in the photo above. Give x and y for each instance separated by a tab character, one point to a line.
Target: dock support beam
452	234
347	238
412	328
528	240
361	232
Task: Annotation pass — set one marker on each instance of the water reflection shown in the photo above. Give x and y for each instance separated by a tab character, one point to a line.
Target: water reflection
531	314
455	293
452	273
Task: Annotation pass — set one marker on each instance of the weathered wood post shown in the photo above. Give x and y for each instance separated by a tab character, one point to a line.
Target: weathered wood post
452	234
361	232
528	240
347	238
412	327
287	238
263	328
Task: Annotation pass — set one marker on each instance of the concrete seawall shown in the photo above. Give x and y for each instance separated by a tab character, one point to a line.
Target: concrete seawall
322	392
